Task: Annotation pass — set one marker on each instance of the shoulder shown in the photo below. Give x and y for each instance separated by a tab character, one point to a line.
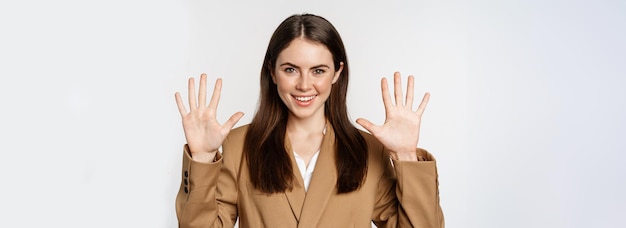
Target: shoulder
378	158
232	147
372	142
241	130
237	134
375	149
235	139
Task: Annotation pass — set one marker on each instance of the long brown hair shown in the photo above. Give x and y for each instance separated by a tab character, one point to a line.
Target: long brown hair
269	163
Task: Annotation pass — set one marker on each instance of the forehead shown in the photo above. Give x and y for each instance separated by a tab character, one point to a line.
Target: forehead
303	52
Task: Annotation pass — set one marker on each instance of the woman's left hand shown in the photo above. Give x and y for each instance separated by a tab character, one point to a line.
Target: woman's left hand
400	132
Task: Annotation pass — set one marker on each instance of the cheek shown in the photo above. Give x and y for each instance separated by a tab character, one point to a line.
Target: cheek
325	84
283	85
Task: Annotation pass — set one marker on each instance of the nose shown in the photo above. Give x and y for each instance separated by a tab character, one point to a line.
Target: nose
304	83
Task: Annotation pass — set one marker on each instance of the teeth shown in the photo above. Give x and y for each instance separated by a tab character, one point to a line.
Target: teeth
305	98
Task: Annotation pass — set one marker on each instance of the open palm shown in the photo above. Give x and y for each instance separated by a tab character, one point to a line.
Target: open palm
203	133
400	132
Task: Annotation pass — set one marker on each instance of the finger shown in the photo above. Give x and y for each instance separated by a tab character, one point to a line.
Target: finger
423	104
192	94
180	104
369	126
397	88
385	92
202	92
215	98
230	123
409	92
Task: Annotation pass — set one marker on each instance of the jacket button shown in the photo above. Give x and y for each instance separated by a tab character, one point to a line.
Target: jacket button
186	190
186	182
186	173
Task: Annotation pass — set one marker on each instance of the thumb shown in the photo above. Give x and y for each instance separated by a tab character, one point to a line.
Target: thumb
230	123
369	126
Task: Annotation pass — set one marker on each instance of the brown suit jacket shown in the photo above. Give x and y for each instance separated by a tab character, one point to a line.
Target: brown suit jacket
398	194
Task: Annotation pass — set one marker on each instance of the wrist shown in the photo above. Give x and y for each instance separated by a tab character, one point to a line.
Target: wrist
204	157
404	156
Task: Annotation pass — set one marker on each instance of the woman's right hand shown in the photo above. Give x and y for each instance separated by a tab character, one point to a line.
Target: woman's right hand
203	133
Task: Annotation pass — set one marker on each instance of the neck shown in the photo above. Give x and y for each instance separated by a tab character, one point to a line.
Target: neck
306	126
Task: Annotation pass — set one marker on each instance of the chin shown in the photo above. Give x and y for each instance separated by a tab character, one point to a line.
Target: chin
302	114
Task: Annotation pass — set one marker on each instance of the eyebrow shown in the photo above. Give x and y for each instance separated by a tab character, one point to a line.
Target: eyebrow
296	66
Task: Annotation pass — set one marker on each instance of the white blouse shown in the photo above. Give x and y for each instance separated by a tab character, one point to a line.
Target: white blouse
306	171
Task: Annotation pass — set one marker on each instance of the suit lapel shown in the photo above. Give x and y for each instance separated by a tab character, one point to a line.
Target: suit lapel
297	194
322	182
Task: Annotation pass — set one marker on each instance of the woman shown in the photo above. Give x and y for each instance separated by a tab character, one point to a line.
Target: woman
300	162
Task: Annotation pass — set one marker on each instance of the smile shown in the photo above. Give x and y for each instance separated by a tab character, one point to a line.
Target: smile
304	99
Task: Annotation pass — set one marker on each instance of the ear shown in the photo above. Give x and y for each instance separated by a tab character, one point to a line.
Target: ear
338	72
272	75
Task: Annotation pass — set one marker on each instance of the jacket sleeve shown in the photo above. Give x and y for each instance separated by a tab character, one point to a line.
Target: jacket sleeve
408	195
202	199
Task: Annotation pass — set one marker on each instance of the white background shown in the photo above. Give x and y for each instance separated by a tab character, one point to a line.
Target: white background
526	117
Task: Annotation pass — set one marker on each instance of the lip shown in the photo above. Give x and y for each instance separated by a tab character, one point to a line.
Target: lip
304	101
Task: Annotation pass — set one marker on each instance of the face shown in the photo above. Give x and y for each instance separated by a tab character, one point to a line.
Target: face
304	74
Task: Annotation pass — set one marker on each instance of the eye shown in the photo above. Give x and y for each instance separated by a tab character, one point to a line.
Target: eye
289	70
319	71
